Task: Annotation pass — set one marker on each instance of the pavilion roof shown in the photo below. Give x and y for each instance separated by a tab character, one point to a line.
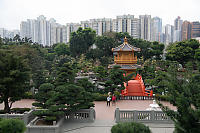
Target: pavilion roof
125	47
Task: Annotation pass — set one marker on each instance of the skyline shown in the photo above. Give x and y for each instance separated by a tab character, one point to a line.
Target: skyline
77	10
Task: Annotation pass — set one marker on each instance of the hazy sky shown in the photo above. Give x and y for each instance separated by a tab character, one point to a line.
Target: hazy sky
12	12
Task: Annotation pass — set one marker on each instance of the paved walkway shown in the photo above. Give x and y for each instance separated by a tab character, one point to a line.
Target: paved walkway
105	117
104	126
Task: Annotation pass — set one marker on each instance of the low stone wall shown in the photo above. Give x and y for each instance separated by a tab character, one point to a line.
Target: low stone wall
136	98
26	116
32	128
83	115
141	116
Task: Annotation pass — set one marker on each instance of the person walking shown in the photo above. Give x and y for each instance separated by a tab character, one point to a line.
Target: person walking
108	101
113	100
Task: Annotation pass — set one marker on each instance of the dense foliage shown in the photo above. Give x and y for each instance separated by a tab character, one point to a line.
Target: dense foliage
183	51
130	127
81	40
43	95
183	91
12	126
14	78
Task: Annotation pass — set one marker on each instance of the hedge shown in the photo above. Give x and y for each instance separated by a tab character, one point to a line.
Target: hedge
130	127
12	126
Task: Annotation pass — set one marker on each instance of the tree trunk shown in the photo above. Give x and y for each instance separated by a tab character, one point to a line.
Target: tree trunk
6	106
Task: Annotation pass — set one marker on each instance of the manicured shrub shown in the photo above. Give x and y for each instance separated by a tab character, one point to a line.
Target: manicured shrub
28	95
162	97
12	126
99	97
117	94
20	110
130	127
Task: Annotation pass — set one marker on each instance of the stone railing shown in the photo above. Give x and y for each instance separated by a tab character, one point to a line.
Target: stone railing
83	115
136	98
26	116
141	116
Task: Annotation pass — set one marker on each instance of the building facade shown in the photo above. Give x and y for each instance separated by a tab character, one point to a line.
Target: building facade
186	30
48	32
169	31
145	27
177	29
156	29
195	29
42	31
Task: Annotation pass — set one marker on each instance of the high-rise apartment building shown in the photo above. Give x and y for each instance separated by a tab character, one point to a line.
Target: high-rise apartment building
169	31
186	30
99	25
135	28
124	23
64	33
8	34
40	30
48	32
114	25
195	29
177	29
2	32
156	29
145	27
23	29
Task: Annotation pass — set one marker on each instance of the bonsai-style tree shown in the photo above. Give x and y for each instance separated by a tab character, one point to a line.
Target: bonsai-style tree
45	92
101	73
116	78
65	97
43	95
65	74
14	78
87	85
70	98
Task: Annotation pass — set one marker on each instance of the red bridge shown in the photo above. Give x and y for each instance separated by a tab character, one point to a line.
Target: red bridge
136	87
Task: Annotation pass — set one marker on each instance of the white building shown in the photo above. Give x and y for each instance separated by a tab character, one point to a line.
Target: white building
169	31
124	23
8	34
156	29
135	28
145	27
43	31
177	29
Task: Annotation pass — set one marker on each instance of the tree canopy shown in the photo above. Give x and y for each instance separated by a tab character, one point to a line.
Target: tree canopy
81	40
14	78
183	51
184	93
